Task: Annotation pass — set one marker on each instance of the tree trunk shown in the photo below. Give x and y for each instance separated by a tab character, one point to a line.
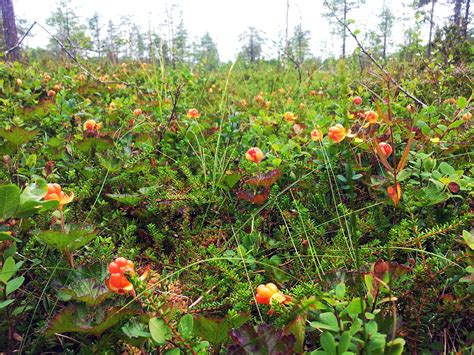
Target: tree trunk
286	28
344	31
384	53
457	12
466	18
431	27
9	30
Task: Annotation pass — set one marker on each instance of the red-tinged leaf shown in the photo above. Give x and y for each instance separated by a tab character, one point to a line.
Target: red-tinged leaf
395	193
403	160
388	270
258	199
265	180
94	321
297	328
381	114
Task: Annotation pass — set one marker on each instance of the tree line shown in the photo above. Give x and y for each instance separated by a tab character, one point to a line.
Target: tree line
123	39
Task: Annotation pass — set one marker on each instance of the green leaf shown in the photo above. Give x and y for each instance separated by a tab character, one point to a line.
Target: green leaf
462	103
328	343
446	169
126	199
356	306
395	347
18	135
4	236
71	241
90	291
85	320
456	124
344	342
185	326
323	326
232	179
135	329
371	328
468	238
340	290
355	326
5	303
213	330
34	191
100	144
14	285
174	351
329	318
159	331
9	201
8	270
29	208
341	178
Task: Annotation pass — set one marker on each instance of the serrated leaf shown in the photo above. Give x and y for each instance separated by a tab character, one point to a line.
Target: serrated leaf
231	179
18	135
89	291
82	320
71	241
298	329
213	330
29	208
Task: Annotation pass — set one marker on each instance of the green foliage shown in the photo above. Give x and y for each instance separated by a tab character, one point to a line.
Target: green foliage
177	196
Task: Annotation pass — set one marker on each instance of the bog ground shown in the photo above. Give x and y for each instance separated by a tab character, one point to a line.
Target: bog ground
251	207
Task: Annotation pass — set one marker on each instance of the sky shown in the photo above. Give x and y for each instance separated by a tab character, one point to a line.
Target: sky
225	20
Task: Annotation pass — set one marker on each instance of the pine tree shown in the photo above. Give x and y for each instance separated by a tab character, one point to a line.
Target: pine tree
299	44
180	44
206	52
341	9
95	28
385	27
68	30
252	48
